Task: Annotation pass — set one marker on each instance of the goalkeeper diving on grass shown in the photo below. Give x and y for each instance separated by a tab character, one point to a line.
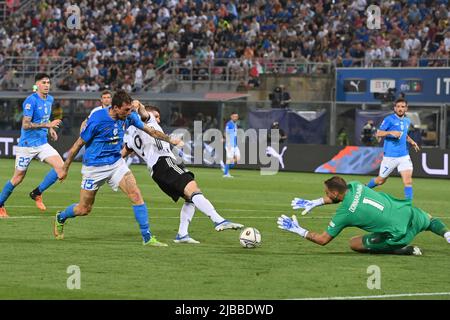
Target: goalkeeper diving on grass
392	223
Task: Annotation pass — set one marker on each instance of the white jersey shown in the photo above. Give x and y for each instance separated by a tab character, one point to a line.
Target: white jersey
145	146
95	110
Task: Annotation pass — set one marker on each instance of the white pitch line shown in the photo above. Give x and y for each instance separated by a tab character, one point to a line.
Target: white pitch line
380	296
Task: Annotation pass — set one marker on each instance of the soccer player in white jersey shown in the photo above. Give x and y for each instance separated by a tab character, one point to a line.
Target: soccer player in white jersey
36	126
175	180
102	162
394	129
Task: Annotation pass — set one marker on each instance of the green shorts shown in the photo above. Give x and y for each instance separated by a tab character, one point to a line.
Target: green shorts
385	241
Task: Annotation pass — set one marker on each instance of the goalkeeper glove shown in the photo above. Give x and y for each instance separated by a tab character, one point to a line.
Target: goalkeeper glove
308	205
291	225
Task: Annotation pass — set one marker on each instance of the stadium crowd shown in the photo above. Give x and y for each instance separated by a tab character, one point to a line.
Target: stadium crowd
121	44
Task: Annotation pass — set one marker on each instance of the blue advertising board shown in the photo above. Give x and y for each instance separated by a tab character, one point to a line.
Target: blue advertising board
423	85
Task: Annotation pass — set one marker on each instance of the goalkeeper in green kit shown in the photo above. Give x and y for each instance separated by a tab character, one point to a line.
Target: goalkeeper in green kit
392	223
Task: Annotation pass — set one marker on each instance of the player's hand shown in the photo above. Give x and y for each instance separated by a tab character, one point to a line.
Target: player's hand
291	225
135	104
415	146
308	205
396	134
54	124
53	135
177	142
63	175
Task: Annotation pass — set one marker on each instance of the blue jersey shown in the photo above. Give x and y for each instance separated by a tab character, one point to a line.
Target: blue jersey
394	147
231	131
39	110
104	137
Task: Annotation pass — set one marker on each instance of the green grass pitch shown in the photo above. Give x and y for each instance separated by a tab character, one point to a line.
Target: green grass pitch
106	245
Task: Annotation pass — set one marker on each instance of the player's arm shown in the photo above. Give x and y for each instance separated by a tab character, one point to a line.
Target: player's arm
382	134
162	136
413	143
292	225
83	124
28	125
71	155
140	108
125	152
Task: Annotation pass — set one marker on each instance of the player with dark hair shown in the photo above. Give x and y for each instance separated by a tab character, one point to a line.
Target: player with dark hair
394	130
172	178
36	126
392	223
231	145
102	162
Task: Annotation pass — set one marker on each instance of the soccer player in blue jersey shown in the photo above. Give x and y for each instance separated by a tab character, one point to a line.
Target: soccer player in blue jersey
394	130
102	162
36	125
231	146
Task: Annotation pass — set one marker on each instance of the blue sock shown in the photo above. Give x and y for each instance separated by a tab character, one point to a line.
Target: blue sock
141	215
372	183
227	169
68	213
6	192
49	179
408	193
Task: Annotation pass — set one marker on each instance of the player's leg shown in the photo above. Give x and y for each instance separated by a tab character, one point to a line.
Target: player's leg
438	227
8	189
82	208
48	154
193	192
406	171
186	215
387	166
23	159
129	186
376	243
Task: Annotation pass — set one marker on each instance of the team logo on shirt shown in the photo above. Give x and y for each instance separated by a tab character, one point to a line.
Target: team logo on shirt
28	106
115	131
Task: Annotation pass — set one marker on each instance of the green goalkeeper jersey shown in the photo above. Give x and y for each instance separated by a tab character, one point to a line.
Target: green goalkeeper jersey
374	211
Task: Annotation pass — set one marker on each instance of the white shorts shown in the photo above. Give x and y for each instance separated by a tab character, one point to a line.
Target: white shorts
95	177
232	152
389	164
24	155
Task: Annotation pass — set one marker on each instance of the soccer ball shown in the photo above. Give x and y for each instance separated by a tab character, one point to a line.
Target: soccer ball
250	238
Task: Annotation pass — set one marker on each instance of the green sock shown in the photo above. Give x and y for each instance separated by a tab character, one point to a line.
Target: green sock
437	227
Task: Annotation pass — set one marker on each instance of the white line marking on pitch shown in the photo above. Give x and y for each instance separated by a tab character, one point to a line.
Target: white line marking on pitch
381	296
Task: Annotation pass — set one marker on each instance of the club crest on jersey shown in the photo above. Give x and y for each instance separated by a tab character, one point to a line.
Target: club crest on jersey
28	106
115	131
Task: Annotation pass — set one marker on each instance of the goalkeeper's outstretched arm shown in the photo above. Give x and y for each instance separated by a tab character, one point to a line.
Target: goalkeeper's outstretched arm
292	225
322	239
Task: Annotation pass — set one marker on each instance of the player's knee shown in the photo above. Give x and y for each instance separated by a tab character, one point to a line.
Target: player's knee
407	182
356	244
135	196
379	181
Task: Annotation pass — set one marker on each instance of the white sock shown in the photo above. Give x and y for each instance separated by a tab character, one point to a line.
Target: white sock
186	214
283	151
206	207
